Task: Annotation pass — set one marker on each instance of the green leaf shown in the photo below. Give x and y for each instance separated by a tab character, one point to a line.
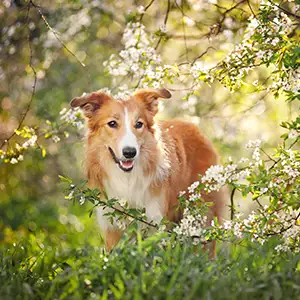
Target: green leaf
65	179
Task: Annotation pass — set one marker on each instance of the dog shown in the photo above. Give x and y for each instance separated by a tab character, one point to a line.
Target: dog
132	156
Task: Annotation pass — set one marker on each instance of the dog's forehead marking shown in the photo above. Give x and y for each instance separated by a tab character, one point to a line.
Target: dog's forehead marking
129	139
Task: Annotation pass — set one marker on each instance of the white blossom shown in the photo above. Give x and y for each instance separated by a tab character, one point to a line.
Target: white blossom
191	225
55	139
294	134
253	144
163	28
193	186
123	202
73	117
81	200
13	161
139	59
141	9
182	193
30	142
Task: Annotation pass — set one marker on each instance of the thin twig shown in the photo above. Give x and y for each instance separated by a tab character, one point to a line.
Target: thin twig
34	82
286	228
277	161
202	54
248	2
198	57
127	214
183	30
189	36
56	34
165	22
224	14
285	10
145	9
37	7
232	208
270	158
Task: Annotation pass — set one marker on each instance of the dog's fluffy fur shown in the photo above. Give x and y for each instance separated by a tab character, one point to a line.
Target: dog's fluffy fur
169	156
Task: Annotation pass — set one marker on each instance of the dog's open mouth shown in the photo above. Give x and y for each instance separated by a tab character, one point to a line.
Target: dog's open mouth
125	165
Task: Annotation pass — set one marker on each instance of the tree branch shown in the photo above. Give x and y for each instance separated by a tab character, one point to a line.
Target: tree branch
232	208
34	81
55	33
165	22
285	10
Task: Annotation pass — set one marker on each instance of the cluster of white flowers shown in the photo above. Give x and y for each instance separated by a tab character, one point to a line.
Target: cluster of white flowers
192	225
253	144
253	225
288	79
138	58
263	39
18	156
15	160
217	176
123	92
141	9
290	167
55	138
70	195
253	24
137	49
282	221
181	193
30	142
256	156
285	223
200	68
123	202
200	72
73	116
194	197
81	200
289	224
193	186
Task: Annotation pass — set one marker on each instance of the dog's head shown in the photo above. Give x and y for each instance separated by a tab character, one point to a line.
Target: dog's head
121	128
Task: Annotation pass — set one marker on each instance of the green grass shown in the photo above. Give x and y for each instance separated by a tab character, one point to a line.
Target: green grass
144	270
45	256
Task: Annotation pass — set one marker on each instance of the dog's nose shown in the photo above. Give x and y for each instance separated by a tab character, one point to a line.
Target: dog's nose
129	152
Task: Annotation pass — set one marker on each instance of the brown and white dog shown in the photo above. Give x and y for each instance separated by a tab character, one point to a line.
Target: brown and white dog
147	162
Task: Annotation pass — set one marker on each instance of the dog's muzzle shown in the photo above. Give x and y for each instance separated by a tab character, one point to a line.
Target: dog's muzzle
125	165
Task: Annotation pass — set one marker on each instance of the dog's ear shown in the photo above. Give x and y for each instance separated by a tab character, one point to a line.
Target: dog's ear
90	103
150	98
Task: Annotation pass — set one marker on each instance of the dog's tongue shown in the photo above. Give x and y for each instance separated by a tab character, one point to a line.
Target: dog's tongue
127	164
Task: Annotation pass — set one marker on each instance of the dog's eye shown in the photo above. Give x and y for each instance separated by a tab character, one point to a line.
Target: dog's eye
112	124
138	125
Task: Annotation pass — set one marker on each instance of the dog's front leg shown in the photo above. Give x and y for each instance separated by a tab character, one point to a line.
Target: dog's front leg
111	238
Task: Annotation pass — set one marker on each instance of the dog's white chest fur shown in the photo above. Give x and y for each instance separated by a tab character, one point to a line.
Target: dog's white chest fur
134	188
